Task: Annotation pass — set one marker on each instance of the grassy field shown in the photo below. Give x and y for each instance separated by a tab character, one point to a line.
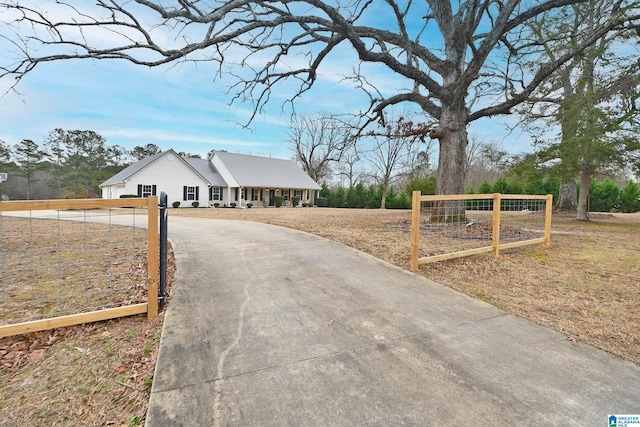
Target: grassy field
585	285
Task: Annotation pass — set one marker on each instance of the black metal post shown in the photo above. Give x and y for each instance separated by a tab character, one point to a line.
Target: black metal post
163	248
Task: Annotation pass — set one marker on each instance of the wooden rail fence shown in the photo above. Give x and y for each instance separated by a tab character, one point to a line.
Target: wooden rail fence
150	307
494	203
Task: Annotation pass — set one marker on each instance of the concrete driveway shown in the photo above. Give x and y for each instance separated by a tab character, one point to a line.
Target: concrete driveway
273	327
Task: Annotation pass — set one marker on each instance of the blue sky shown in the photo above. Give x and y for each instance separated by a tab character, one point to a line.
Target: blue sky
184	107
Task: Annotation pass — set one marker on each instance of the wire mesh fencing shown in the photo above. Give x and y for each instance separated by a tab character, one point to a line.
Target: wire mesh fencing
74	264
452	226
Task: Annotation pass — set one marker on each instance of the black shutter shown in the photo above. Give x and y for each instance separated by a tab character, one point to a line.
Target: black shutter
184	193
139	190
153	190
221	193
197	193
237	190
210	193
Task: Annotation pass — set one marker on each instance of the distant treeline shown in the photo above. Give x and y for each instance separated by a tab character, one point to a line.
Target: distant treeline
604	195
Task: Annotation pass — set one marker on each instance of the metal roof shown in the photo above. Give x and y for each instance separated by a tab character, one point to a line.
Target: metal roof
248	171
206	169
267	172
130	170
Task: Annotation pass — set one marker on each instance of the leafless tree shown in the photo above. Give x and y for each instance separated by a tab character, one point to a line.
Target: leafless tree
460	60
349	166
391	152
486	161
317	141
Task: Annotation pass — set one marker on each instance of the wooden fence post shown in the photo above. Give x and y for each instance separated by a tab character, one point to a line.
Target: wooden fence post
547	220
415	230
495	235
153	257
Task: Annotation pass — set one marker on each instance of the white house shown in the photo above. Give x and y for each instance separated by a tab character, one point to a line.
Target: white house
224	178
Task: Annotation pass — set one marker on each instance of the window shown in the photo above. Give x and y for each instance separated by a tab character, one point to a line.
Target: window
146	190
215	194
285	194
190	193
254	194
242	193
298	194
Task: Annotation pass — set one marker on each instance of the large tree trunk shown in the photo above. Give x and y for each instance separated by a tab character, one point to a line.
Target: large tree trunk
452	136
583	197
567	200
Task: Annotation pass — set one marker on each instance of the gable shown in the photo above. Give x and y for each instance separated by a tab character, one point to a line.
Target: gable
167	165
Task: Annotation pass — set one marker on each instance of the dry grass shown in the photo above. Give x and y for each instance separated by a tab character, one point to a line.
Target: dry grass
586	285
95	374
54	268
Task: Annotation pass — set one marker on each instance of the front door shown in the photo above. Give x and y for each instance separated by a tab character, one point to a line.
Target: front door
272	196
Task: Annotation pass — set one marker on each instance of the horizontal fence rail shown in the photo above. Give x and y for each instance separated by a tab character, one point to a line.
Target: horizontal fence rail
452	226
68	262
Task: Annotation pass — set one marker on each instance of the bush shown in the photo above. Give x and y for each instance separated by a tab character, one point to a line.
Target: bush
195	204
629	199
128	196
294	201
216	204
277	201
233	204
426	185
603	195
485	188
176	204
394	201
249	205
321	201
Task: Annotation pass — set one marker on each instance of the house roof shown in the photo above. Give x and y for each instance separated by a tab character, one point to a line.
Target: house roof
254	171
248	171
202	167
131	170
206	169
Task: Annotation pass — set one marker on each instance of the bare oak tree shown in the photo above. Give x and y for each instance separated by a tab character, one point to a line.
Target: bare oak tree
460	60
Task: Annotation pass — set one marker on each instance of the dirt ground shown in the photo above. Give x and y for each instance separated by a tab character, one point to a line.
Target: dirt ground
585	285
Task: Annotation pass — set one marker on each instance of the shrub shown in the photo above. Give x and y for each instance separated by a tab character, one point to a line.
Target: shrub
249	205
294	201
603	195
216	204
485	188
233	204
629	199
195	204
425	184
175	204
321	201
397	202
278	201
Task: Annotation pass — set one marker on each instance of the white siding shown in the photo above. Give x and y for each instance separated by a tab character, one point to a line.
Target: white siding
113	191
168	173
